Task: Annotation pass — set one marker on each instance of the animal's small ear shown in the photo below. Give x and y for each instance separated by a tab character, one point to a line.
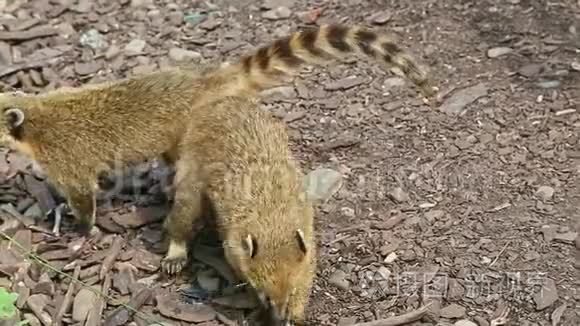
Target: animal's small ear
250	245
301	241
15	117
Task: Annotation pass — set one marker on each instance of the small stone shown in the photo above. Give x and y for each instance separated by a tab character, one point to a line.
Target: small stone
549	232
87	68
210	24
112	52
389	223
457	102
135	47
390	247
322	184
281	12
83	302
464	322
530	70
338	279
547	84
93	39
380	18
545	192
347	212
393	82
547	295
182	55
344	84
347	321
390	258
567	237
434	215
141	3
453	311
575	65
282	91
272	4
498	52
422	205
399	195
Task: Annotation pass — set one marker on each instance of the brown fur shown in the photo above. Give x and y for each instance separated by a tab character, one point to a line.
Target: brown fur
76	133
239	156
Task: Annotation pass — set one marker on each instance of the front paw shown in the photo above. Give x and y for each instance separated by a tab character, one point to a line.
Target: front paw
173	265
86	228
176	257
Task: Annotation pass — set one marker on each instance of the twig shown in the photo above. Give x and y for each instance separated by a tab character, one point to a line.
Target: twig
500	253
67	301
38	32
399	320
339	239
114	251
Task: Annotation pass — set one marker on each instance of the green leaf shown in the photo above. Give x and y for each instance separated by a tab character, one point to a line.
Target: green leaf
7	300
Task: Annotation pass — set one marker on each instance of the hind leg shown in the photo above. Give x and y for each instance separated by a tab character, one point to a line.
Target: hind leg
182	221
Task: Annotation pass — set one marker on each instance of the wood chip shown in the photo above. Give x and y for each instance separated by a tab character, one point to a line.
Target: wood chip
67	301
114	251
95	315
399	320
38	32
170	306
122	315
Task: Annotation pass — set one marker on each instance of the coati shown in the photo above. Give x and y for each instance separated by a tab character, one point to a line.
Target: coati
76	133
238	156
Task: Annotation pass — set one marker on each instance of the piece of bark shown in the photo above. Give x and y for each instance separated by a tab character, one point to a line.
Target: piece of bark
12	69
95	315
36	304
10	210
122	315
67	301
111	258
38	32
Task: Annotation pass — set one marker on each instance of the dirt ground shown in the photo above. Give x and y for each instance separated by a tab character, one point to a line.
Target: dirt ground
472	204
